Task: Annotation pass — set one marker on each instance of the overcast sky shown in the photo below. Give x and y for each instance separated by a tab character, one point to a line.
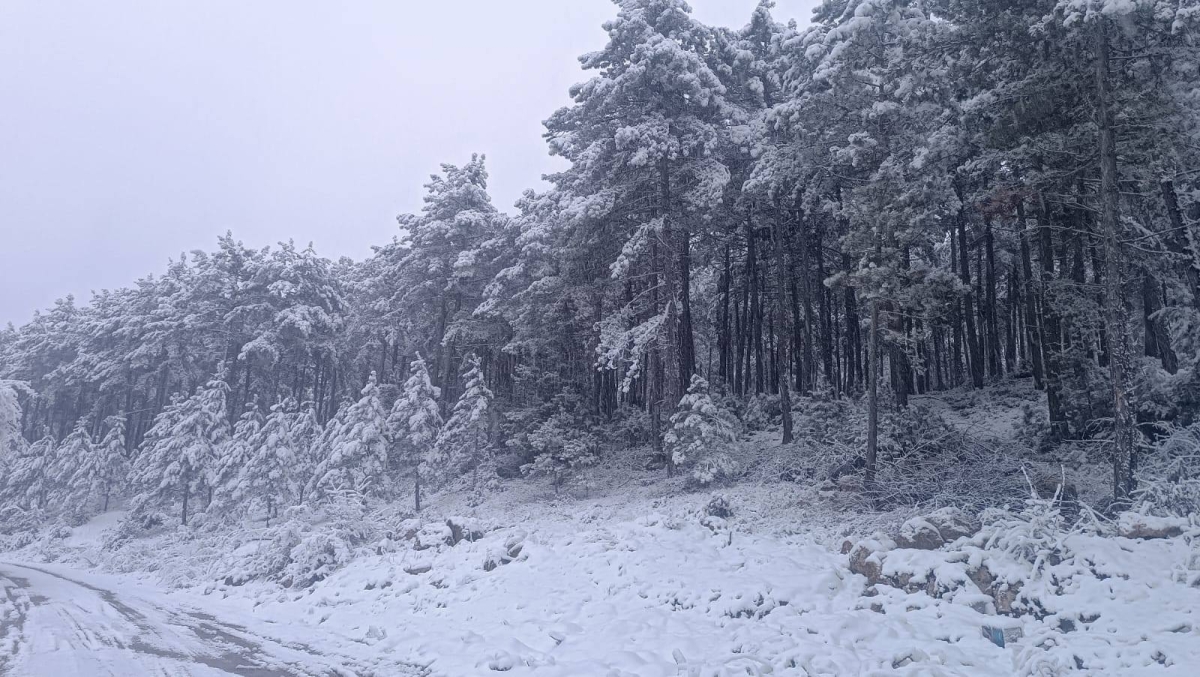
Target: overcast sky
133	130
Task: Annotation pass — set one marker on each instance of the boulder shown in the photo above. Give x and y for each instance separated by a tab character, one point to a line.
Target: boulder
1133	525
953	523
919	534
983	579
462	530
866	557
513	545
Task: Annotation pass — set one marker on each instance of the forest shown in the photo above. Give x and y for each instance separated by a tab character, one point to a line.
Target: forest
905	197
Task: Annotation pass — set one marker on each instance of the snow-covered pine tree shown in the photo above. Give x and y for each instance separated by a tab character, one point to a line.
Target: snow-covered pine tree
357	449
701	434
10	417
414	425
233	457
463	442
564	447
73	461
26	484
305	433
642	137
181	447
111	467
267	478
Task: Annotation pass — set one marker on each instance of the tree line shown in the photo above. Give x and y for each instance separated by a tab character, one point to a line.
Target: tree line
904	197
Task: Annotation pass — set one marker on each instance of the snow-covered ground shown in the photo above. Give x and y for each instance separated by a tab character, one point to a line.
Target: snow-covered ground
62	622
640	583
628	574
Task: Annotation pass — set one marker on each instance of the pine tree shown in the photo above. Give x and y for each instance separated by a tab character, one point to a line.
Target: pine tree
701	434
414	424
357	448
181	448
27	484
70	473
233	457
563	447
111	467
268	475
10	417
305	433
463	443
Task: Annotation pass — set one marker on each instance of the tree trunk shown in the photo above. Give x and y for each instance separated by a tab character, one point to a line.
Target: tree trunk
1051	329
872	397
1178	241
1033	336
1123	430
785	400
964	272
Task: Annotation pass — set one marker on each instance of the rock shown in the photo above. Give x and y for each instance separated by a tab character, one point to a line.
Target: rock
981	606
418	569
919	534
461	530
982	578
953	523
1005	596
866	557
432	536
513	545
1133	525
407	530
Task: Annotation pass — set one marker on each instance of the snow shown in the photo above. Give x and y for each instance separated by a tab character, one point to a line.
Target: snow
636	580
628	573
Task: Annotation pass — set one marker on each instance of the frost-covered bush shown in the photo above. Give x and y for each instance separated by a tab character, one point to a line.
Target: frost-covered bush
1034	428
314	558
1169	477
760	412
306	546
628	428
1035	535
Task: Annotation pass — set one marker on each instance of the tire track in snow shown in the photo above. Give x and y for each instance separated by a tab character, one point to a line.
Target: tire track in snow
60	625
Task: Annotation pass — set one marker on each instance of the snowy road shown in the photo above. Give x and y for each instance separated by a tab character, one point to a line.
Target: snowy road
54	625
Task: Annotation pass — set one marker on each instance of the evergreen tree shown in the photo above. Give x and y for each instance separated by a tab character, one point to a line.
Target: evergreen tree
414	425
111	467
233	457
27	483
182	447
305	433
268	475
356	448
463	442
701	434
74	462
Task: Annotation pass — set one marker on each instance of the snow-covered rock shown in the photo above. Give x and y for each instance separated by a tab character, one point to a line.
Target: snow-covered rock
1133	525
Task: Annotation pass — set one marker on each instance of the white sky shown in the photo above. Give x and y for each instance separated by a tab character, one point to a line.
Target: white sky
133	130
